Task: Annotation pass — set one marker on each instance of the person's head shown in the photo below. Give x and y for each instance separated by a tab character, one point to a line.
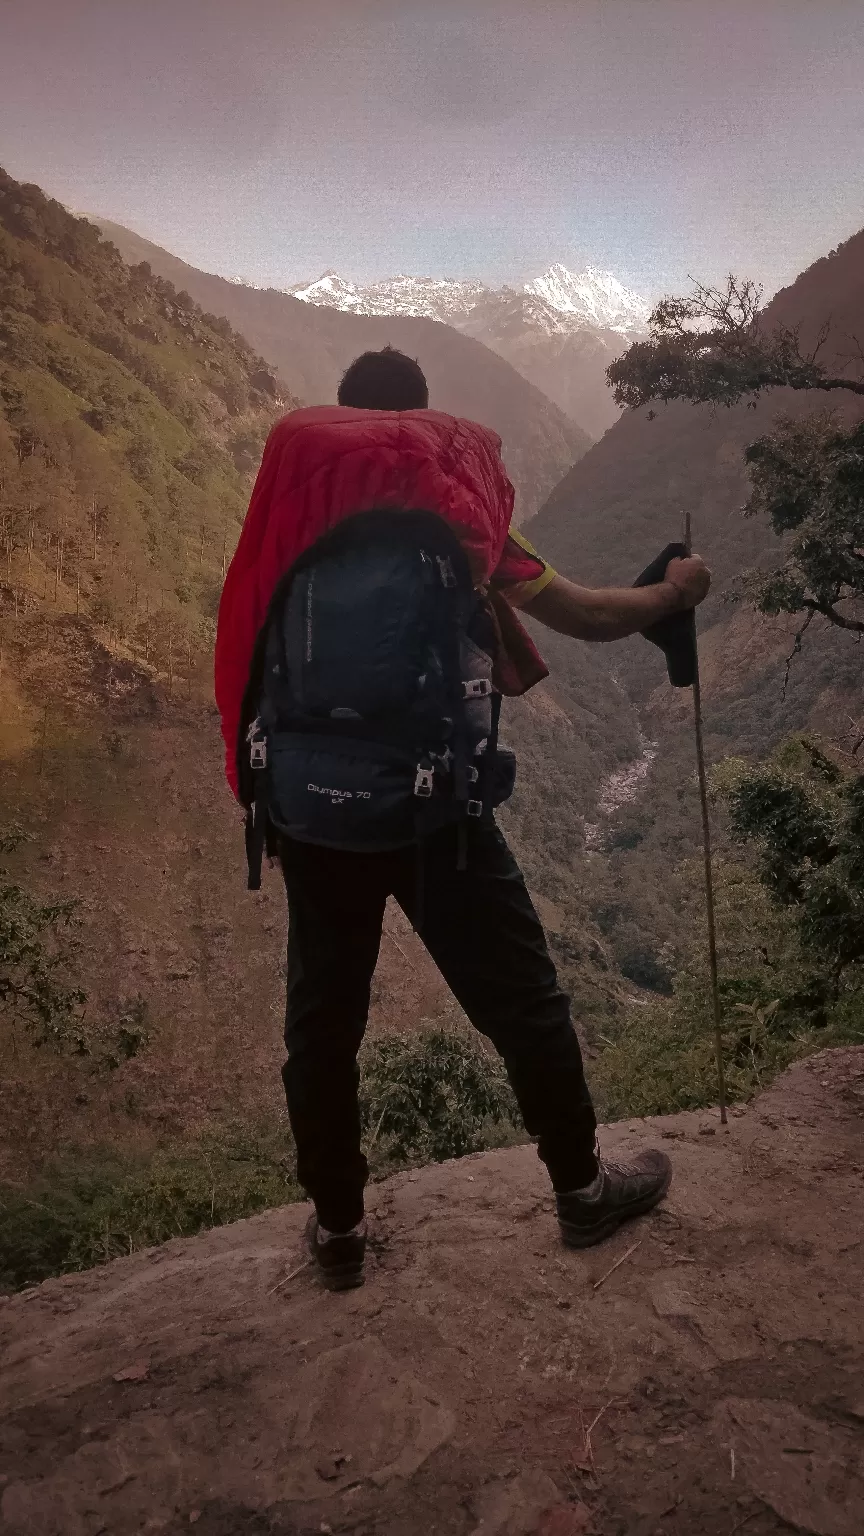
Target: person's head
384	381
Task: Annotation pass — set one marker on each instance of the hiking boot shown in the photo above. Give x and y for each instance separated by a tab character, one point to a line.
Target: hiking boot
339	1256
623	1190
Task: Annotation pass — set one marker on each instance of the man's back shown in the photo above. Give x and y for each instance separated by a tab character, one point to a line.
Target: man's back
326	464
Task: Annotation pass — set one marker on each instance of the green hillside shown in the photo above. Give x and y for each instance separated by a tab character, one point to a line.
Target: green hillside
131	423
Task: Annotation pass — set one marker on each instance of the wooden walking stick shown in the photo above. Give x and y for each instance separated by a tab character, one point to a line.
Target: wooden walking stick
706	840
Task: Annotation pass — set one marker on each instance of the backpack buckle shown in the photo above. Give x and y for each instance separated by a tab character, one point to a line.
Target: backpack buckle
474	808
476	688
424	783
257	745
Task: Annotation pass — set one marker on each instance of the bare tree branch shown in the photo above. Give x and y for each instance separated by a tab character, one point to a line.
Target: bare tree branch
856	626
714	347
795	651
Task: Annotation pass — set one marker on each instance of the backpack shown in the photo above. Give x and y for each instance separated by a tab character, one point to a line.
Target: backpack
370	719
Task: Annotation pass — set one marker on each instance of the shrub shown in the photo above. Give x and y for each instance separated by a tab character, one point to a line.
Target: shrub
424	1098
432	1095
662	1059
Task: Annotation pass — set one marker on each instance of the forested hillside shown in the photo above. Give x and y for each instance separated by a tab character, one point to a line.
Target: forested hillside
617	508
131	427
131	422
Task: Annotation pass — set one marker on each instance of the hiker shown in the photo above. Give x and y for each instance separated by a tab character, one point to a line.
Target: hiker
367	631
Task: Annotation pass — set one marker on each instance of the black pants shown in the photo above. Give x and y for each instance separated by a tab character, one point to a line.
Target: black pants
481	929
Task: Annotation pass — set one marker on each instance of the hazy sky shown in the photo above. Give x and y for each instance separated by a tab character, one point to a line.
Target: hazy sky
276	138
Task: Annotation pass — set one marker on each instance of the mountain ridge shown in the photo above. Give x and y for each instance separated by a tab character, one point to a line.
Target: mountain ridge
311	346
560	331
564	301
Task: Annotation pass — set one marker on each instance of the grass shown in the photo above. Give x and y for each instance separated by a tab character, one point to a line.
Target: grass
424	1098
80	1213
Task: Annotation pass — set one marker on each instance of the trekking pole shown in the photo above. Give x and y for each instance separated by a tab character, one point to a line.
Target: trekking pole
706	841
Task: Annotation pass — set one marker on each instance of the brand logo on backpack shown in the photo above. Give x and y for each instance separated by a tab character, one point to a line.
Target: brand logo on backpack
371	691
340	794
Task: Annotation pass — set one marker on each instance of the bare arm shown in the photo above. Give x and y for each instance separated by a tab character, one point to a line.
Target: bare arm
610	613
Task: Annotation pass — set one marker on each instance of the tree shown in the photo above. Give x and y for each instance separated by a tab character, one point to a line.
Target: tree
803	810
718	347
808	477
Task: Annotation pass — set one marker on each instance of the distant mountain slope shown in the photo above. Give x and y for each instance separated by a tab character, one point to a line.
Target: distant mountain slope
560	331
567	362
623	500
312	345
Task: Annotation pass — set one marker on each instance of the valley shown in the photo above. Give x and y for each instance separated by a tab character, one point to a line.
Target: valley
311	345
136	399
559	331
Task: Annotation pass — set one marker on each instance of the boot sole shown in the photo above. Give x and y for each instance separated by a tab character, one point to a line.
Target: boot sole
587	1237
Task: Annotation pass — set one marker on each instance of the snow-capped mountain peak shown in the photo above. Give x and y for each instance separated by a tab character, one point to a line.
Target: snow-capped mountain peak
332	291
595	297
436	298
559	301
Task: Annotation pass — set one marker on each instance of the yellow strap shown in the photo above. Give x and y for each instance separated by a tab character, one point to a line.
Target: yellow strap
522	592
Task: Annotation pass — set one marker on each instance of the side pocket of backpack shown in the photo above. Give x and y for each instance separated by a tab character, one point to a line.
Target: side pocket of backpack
503	776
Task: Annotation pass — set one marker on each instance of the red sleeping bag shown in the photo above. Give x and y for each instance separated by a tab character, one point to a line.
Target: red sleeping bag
323	464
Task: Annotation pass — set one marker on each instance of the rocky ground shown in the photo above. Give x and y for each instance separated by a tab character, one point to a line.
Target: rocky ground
699	1375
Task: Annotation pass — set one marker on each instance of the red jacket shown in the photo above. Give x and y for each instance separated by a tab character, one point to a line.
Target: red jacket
324	463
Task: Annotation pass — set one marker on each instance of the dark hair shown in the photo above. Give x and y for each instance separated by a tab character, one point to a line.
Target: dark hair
384	381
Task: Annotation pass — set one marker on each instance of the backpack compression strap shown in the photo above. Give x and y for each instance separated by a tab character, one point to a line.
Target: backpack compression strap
256	814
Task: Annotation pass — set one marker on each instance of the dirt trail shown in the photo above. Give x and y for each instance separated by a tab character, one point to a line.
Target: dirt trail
718	1367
